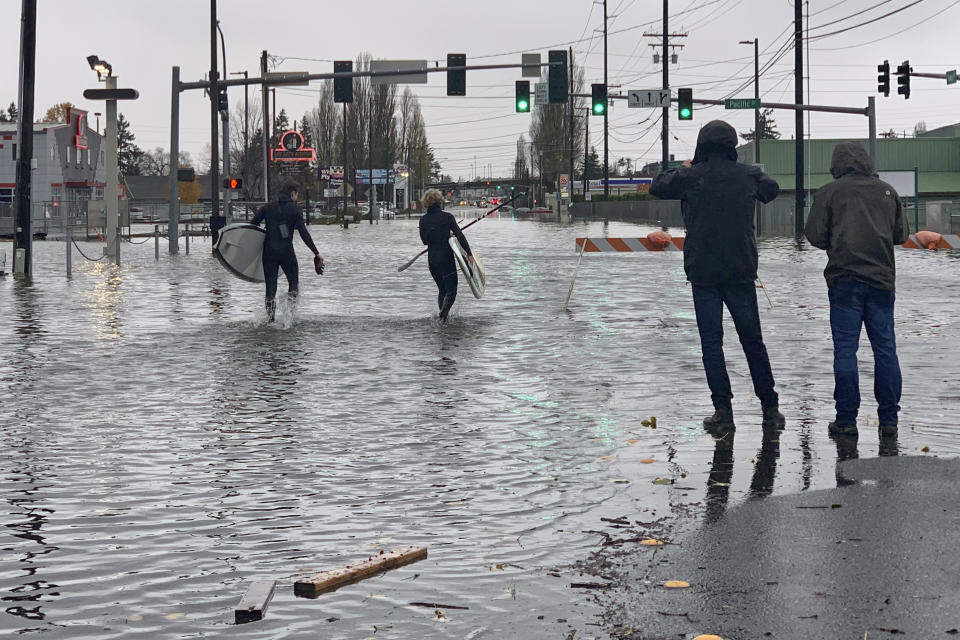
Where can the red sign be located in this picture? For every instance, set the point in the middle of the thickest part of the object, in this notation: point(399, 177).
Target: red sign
point(77, 119)
point(291, 149)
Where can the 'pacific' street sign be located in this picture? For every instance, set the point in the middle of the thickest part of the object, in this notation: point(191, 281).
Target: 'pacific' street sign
point(741, 103)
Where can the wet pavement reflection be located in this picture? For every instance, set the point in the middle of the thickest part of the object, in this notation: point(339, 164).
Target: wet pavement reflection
point(163, 445)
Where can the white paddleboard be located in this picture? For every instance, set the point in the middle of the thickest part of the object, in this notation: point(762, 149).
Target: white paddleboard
point(475, 275)
point(239, 249)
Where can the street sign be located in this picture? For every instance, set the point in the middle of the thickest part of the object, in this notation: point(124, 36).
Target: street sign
point(741, 103)
point(111, 94)
point(289, 78)
point(540, 93)
point(564, 184)
point(952, 76)
point(531, 65)
point(417, 69)
point(638, 98)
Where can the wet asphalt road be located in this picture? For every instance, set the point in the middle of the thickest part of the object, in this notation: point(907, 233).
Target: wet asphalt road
point(875, 557)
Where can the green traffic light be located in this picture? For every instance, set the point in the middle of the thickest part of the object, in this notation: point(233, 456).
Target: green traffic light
point(598, 108)
point(684, 113)
point(523, 105)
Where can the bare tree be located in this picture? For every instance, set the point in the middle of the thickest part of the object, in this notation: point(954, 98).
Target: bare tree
point(550, 132)
point(521, 168)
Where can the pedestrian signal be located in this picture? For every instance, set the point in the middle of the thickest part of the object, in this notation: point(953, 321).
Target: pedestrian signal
point(232, 183)
point(523, 96)
point(685, 104)
point(598, 94)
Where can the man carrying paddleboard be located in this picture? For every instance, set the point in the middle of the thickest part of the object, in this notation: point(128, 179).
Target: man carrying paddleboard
point(282, 217)
point(436, 226)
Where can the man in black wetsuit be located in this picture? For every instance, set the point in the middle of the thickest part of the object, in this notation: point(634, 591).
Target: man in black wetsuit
point(282, 217)
point(436, 226)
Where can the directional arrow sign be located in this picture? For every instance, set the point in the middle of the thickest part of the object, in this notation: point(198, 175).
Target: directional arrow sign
point(111, 94)
point(648, 98)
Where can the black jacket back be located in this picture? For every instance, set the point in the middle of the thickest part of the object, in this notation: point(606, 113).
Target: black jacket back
point(718, 198)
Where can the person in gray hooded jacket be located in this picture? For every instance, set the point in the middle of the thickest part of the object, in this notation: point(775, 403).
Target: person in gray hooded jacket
point(857, 219)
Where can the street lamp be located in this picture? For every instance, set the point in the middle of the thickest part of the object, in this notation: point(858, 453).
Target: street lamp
point(102, 67)
point(756, 112)
point(756, 94)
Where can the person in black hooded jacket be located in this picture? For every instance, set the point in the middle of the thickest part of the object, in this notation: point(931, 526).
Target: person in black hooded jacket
point(282, 217)
point(436, 227)
point(718, 196)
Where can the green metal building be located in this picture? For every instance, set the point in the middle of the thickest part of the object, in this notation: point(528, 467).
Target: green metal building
point(934, 154)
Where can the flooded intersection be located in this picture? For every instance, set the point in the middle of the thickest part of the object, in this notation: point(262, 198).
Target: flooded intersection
point(163, 445)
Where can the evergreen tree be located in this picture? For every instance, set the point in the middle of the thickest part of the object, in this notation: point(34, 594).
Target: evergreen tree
point(129, 155)
point(12, 112)
point(593, 170)
point(768, 128)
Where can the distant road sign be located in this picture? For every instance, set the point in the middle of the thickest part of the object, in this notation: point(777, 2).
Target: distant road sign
point(540, 93)
point(288, 77)
point(417, 69)
point(741, 103)
point(531, 65)
point(952, 76)
point(639, 98)
point(111, 94)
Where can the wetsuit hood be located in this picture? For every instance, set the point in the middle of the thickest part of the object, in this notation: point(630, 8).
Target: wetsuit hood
point(850, 158)
point(716, 138)
point(284, 197)
point(434, 208)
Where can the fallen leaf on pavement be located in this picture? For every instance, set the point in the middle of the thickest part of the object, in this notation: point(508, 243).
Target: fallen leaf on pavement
point(676, 584)
point(651, 542)
point(646, 461)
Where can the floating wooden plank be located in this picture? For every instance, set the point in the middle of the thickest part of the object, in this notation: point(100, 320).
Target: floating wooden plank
point(253, 604)
point(333, 580)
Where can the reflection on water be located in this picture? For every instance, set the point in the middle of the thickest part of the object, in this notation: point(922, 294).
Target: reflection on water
point(164, 444)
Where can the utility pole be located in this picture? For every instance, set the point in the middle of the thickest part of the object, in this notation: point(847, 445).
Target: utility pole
point(225, 116)
point(173, 230)
point(370, 188)
point(214, 125)
point(800, 203)
point(265, 104)
point(343, 185)
point(606, 108)
point(24, 198)
point(571, 106)
point(586, 152)
point(665, 129)
point(110, 194)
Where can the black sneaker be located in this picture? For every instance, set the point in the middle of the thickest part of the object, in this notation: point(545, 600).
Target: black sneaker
point(722, 418)
point(772, 418)
point(842, 428)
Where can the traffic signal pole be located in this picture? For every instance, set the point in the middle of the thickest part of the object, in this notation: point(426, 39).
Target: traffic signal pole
point(22, 240)
point(173, 225)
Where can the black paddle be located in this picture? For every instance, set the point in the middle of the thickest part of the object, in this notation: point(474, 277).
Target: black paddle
point(502, 204)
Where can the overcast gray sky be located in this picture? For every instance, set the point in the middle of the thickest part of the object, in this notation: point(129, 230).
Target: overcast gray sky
point(143, 40)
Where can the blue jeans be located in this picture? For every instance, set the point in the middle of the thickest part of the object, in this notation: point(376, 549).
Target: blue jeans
point(741, 302)
point(852, 305)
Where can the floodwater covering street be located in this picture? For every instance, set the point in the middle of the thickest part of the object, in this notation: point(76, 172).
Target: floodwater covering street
point(162, 445)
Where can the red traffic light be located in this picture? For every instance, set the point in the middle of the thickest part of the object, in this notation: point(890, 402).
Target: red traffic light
point(232, 183)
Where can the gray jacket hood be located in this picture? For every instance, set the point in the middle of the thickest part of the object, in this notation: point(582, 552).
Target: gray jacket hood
point(716, 136)
point(850, 158)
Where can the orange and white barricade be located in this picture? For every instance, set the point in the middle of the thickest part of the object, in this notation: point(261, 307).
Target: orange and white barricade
point(654, 241)
point(932, 240)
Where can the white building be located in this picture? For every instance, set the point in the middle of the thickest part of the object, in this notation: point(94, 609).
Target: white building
point(68, 164)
